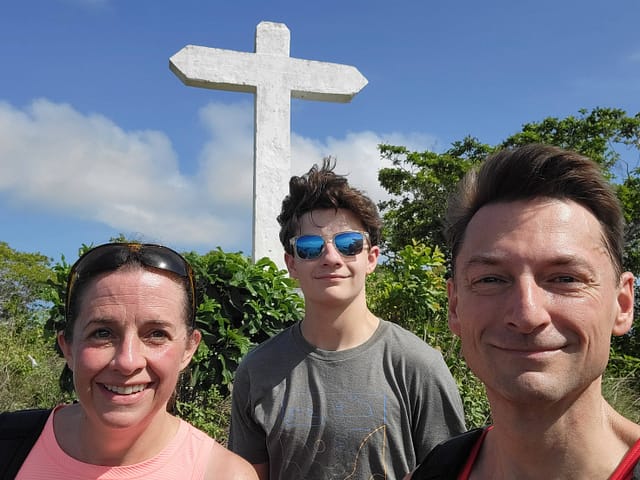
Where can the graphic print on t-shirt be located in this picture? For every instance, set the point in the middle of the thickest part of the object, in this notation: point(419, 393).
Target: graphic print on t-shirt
point(339, 431)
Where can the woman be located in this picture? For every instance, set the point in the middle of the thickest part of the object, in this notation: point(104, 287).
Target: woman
point(130, 312)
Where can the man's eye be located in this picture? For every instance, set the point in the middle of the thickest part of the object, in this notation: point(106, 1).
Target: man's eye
point(565, 279)
point(489, 280)
point(101, 334)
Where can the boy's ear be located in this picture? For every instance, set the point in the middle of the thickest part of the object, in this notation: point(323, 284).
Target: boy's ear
point(372, 258)
point(290, 262)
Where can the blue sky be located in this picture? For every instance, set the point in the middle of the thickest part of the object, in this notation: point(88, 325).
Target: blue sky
point(99, 137)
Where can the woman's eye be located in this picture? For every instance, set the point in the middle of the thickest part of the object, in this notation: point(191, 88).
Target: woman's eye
point(158, 336)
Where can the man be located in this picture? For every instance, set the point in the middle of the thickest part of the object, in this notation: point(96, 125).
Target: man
point(342, 394)
point(537, 290)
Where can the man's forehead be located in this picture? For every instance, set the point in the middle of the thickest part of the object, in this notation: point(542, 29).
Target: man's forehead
point(563, 227)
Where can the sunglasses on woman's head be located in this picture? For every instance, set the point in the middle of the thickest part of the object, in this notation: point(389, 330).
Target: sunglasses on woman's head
point(310, 247)
point(111, 256)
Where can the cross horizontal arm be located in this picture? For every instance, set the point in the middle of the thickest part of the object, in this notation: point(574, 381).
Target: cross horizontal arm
point(243, 71)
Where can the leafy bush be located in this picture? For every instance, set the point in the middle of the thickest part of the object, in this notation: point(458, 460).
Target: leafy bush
point(29, 368)
point(209, 411)
point(241, 304)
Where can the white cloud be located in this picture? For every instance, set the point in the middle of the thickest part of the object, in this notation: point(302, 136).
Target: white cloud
point(56, 159)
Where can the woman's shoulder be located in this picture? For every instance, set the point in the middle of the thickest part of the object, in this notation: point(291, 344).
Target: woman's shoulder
point(226, 465)
point(222, 463)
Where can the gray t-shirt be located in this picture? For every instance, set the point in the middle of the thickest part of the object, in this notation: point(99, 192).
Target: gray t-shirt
point(373, 411)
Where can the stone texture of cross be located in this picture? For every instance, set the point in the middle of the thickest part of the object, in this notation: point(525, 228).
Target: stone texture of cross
point(274, 78)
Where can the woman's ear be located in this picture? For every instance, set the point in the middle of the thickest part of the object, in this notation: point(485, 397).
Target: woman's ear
point(65, 348)
point(192, 347)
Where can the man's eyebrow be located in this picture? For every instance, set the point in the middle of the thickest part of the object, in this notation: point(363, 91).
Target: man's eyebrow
point(495, 258)
point(484, 259)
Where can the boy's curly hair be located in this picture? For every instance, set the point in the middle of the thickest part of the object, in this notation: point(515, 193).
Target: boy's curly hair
point(321, 188)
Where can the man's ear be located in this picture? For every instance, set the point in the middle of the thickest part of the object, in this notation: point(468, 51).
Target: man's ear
point(625, 299)
point(452, 295)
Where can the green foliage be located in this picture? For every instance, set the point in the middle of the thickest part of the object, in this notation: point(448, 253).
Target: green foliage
point(209, 411)
point(622, 395)
point(241, 304)
point(23, 284)
point(419, 184)
point(410, 290)
point(29, 367)
point(56, 314)
point(594, 133)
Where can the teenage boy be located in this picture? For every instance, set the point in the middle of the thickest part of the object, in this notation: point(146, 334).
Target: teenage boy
point(343, 394)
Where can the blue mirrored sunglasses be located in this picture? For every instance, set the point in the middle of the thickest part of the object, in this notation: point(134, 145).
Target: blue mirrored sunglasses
point(310, 247)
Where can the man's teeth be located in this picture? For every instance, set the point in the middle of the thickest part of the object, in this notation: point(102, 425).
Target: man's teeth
point(128, 390)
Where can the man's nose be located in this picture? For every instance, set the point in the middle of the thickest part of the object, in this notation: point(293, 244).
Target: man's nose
point(528, 306)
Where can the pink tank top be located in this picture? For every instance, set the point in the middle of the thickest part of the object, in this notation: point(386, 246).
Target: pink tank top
point(185, 457)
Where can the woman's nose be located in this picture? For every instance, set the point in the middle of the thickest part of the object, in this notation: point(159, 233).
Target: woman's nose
point(129, 355)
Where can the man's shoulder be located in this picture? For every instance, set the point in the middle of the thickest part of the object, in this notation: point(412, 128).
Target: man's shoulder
point(447, 459)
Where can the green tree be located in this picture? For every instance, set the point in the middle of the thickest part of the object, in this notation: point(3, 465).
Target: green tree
point(419, 184)
point(23, 285)
point(29, 366)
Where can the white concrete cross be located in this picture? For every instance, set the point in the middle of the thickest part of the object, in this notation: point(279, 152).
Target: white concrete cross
point(273, 77)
